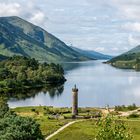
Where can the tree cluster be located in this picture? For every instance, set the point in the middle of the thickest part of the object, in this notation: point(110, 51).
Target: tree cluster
point(22, 72)
point(14, 127)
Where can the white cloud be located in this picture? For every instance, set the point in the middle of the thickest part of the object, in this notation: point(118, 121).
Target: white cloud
point(8, 9)
point(128, 8)
point(59, 10)
point(38, 18)
point(132, 26)
point(115, 49)
point(100, 49)
point(133, 40)
point(90, 24)
point(126, 48)
point(28, 10)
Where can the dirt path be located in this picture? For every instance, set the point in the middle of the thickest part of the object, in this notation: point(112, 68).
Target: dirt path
point(62, 128)
point(125, 114)
point(122, 113)
point(104, 111)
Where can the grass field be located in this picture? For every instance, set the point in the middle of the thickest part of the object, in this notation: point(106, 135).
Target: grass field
point(47, 124)
point(44, 116)
point(86, 130)
point(135, 126)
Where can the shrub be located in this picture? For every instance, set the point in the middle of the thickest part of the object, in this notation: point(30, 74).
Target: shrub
point(126, 108)
point(14, 127)
point(113, 129)
point(132, 107)
point(47, 111)
point(134, 115)
point(33, 110)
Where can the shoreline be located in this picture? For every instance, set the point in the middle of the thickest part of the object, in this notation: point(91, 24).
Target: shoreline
point(81, 109)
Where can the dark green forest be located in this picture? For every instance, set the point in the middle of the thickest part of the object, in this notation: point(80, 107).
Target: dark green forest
point(20, 72)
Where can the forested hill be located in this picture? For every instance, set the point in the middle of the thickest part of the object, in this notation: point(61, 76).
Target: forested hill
point(128, 60)
point(20, 72)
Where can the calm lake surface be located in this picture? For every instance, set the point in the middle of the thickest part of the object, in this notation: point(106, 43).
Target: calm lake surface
point(99, 85)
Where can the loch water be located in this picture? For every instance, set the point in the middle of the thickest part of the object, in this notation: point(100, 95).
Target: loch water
point(99, 85)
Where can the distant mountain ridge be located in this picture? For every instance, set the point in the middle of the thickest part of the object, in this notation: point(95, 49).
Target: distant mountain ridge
point(92, 54)
point(20, 37)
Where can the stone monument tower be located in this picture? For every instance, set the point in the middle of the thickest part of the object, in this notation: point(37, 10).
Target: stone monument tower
point(75, 101)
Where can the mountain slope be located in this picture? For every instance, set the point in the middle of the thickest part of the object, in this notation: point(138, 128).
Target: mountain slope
point(92, 54)
point(2, 57)
point(19, 37)
point(128, 60)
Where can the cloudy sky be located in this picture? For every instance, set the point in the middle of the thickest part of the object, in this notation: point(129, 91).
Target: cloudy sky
point(107, 26)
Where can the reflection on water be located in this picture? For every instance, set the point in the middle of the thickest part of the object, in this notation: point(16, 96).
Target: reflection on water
point(99, 85)
point(32, 94)
point(51, 91)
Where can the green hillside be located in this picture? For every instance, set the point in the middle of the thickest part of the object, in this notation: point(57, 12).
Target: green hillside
point(128, 60)
point(19, 37)
point(2, 57)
